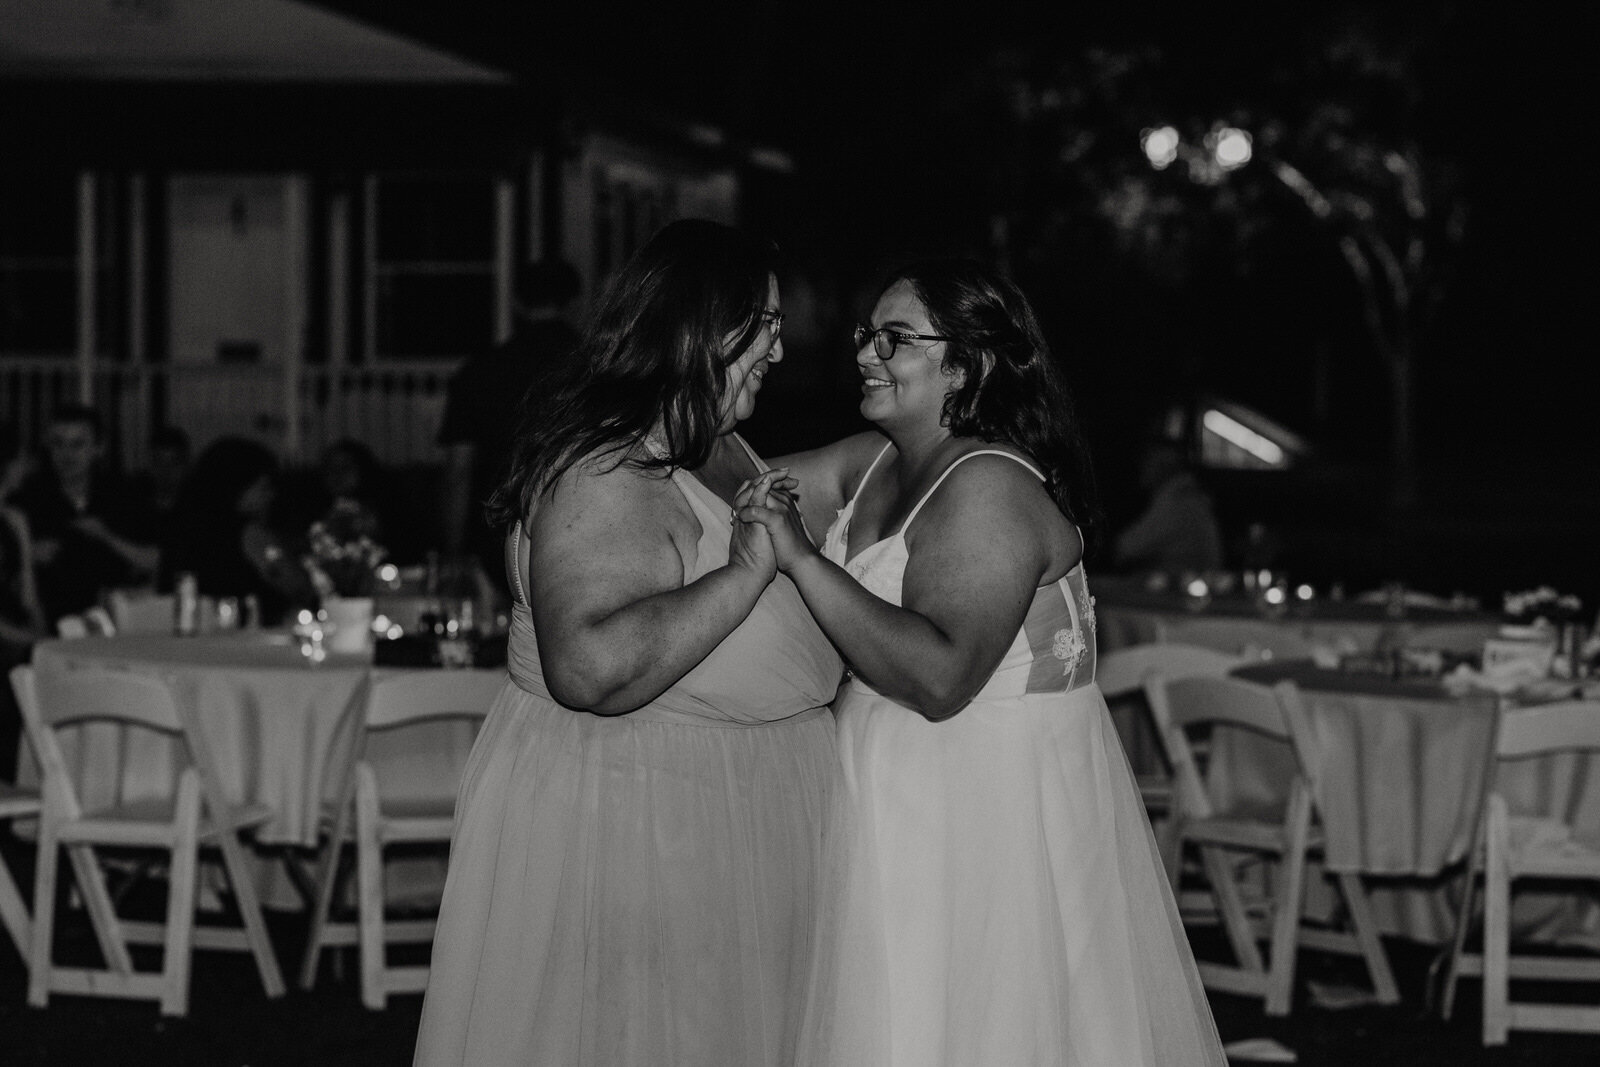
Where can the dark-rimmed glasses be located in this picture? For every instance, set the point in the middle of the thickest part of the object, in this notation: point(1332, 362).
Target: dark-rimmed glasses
point(774, 320)
point(885, 339)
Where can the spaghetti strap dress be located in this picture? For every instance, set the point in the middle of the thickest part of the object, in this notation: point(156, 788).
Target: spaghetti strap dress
point(993, 894)
point(638, 890)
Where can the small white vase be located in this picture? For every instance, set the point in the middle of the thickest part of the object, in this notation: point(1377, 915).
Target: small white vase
point(349, 623)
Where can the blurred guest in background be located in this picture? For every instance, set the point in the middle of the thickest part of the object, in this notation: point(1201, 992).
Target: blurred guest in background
point(89, 533)
point(157, 487)
point(1177, 532)
point(21, 620)
point(483, 406)
point(220, 531)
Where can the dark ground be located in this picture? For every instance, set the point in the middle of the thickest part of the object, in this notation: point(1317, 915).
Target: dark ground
point(231, 1023)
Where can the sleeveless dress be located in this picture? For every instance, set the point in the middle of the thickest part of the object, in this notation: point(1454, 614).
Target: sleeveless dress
point(639, 889)
point(993, 893)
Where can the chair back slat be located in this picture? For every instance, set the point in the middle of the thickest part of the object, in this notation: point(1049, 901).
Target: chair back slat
point(84, 693)
point(1231, 701)
point(1123, 670)
point(411, 696)
point(1566, 726)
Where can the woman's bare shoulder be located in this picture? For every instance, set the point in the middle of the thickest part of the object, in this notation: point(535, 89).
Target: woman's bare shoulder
point(606, 494)
point(998, 498)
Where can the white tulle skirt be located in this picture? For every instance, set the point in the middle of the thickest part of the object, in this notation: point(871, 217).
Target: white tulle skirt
point(993, 896)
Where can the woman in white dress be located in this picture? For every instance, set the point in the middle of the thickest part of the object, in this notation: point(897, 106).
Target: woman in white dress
point(994, 894)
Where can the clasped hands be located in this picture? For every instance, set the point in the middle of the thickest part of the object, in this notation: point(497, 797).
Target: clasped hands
point(767, 523)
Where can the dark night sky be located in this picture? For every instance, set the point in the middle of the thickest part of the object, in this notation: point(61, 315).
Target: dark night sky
point(845, 89)
point(1502, 415)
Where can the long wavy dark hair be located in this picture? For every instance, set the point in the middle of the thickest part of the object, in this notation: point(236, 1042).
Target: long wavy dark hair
point(1014, 390)
point(652, 355)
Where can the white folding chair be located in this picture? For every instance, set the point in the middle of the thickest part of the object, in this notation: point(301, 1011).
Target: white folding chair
point(1253, 639)
point(1121, 673)
point(1224, 838)
point(1515, 847)
point(395, 701)
point(197, 814)
point(140, 611)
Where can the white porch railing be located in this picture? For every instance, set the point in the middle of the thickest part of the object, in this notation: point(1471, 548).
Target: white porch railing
point(393, 408)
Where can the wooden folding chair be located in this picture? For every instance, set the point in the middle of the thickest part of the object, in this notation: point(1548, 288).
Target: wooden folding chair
point(1121, 673)
point(141, 611)
point(395, 701)
point(1224, 838)
point(1513, 848)
point(197, 814)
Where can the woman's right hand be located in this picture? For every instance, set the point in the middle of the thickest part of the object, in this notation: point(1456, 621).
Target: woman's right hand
point(750, 546)
point(768, 502)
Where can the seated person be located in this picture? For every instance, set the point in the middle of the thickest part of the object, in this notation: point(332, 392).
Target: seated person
point(89, 535)
point(1177, 532)
point(156, 487)
point(221, 535)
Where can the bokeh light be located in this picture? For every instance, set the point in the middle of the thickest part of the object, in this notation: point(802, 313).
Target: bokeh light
point(1160, 146)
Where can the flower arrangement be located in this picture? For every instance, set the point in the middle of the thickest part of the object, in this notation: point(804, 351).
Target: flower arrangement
point(1545, 603)
point(343, 555)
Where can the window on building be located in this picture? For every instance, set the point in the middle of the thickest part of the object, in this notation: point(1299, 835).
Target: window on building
point(431, 262)
point(38, 263)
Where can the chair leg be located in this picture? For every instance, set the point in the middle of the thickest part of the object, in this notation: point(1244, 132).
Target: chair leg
point(44, 914)
point(1287, 906)
point(255, 927)
point(369, 877)
point(1230, 904)
point(1458, 943)
point(1366, 932)
point(327, 882)
point(185, 873)
point(1496, 929)
point(14, 913)
point(90, 881)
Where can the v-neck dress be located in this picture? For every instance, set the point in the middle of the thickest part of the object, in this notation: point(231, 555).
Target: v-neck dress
point(993, 893)
point(638, 890)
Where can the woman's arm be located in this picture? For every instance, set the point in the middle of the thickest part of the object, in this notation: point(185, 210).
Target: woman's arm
point(978, 550)
point(828, 476)
point(616, 624)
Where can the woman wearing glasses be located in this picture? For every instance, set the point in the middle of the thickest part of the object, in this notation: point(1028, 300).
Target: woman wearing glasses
point(994, 893)
point(639, 827)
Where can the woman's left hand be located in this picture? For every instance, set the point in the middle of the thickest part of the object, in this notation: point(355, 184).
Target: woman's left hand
point(769, 500)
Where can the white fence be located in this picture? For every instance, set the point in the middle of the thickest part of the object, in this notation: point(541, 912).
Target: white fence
point(393, 408)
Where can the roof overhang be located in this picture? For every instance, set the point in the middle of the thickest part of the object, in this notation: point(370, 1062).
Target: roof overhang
point(216, 41)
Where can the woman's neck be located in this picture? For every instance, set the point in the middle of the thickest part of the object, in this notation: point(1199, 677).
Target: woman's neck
point(922, 452)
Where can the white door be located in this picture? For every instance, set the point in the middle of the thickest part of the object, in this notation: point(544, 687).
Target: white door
point(235, 297)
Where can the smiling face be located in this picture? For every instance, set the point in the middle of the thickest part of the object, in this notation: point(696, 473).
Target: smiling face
point(909, 388)
point(747, 371)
